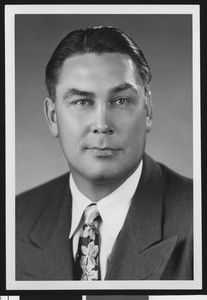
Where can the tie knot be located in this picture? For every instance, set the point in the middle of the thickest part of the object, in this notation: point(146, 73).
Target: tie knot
point(91, 213)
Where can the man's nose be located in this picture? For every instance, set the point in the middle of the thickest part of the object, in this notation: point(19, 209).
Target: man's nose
point(102, 122)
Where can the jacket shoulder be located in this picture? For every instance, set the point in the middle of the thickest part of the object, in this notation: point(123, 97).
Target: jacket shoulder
point(31, 204)
point(173, 183)
point(178, 201)
point(176, 183)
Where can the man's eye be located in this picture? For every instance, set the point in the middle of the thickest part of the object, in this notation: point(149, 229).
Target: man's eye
point(82, 102)
point(121, 101)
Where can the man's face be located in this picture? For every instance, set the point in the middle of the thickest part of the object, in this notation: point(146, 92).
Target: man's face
point(101, 116)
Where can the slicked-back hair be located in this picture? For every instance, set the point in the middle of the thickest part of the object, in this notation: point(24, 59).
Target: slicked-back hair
point(99, 40)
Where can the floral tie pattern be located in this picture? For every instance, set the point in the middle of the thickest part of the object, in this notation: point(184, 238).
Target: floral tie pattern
point(87, 264)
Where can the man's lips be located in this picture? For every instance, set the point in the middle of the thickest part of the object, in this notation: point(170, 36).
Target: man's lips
point(104, 152)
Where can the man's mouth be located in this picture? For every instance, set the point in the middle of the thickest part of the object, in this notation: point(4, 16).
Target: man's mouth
point(103, 152)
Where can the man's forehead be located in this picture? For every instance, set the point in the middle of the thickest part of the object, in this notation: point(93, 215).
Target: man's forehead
point(116, 68)
point(89, 60)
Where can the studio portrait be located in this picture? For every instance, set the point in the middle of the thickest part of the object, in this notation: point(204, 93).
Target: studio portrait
point(104, 177)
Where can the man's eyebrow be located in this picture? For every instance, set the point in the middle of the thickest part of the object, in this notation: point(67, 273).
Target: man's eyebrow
point(77, 92)
point(119, 88)
point(123, 87)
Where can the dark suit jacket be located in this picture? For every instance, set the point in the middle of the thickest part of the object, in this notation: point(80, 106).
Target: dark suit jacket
point(154, 243)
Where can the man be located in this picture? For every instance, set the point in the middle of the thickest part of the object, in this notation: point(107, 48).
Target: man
point(118, 215)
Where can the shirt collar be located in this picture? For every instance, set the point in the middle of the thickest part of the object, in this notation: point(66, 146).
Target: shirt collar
point(112, 208)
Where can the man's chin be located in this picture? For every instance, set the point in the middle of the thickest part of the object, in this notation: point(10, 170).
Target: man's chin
point(110, 176)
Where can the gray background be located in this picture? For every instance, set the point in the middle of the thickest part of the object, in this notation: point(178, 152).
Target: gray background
point(166, 41)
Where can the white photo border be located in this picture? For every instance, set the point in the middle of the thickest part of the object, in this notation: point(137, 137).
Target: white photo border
point(10, 12)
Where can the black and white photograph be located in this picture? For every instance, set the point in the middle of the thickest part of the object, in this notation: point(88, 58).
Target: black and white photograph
point(103, 147)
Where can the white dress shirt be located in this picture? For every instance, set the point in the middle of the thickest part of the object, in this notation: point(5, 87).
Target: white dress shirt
point(112, 209)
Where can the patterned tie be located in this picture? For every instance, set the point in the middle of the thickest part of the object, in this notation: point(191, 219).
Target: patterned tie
point(87, 257)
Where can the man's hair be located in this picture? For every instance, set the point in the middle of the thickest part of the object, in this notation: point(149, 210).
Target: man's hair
point(96, 39)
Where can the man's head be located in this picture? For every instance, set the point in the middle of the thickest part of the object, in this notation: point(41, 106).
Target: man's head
point(97, 39)
point(99, 104)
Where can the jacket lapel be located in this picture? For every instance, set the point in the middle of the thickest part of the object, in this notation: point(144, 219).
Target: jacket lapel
point(139, 252)
point(51, 235)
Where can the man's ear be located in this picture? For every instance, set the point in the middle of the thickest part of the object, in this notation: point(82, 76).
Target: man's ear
point(51, 116)
point(148, 110)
